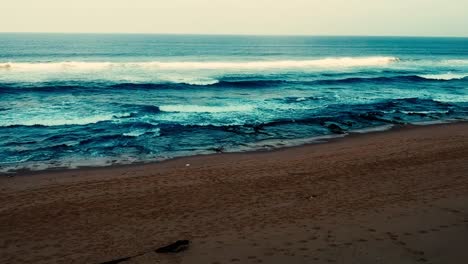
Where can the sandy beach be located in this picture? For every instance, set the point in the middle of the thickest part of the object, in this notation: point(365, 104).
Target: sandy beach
point(399, 196)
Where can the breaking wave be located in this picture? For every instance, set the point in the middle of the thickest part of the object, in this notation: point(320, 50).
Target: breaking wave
point(203, 65)
point(444, 76)
point(205, 109)
point(61, 121)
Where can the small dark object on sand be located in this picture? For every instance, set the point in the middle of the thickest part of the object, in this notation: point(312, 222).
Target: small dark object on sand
point(178, 246)
point(116, 261)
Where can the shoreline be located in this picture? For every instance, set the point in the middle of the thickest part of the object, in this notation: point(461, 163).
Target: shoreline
point(397, 196)
point(318, 140)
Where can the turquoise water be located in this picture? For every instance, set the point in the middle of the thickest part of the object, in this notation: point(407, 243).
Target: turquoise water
point(94, 100)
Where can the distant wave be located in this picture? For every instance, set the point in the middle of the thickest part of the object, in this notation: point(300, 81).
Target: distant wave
point(459, 62)
point(194, 83)
point(444, 76)
point(200, 82)
point(140, 132)
point(62, 121)
point(202, 65)
point(205, 109)
point(15, 87)
point(55, 66)
point(397, 78)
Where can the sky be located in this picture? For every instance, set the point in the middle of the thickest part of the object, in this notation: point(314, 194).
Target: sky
point(252, 17)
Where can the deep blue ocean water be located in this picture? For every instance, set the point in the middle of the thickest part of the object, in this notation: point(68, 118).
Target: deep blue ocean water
point(90, 100)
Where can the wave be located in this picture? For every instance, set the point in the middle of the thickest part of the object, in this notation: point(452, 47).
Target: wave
point(458, 62)
point(336, 119)
point(379, 79)
point(62, 121)
point(60, 86)
point(205, 109)
point(381, 111)
point(198, 82)
point(398, 78)
point(337, 62)
point(140, 132)
point(444, 76)
point(55, 66)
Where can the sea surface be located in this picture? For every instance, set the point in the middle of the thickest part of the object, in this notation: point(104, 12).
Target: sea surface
point(69, 100)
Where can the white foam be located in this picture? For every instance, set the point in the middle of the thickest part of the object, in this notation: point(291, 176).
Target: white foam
point(140, 132)
point(455, 62)
point(55, 66)
point(270, 144)
point(433, 122)
point(444, 76)
point(372, 129)
point(278, 64)
point(200, 81)
point(136, 133)
point(202, 65)
point(205, 109)
point(60, 121)
point(424, 112)
point(189, 80)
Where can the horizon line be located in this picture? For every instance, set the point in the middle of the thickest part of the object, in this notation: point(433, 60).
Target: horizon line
point(234, 34)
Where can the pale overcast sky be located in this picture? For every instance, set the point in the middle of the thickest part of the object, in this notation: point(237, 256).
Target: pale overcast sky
point(273, 17)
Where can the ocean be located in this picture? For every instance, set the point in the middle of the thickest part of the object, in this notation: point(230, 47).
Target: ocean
point(71, 100)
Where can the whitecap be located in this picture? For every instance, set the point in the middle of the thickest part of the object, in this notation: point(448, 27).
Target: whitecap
point(134, 133)
point(203, 65)
point(277, 64)
point(61, 121)
point(189, 80)
point(444, 76)
point(205, 109)
point(56, 66)
point(137, 133)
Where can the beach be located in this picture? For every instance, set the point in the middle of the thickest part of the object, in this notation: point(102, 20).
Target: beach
point(137, 98)
point(398, 196)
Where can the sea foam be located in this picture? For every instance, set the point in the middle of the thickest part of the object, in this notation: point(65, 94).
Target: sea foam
point(60, 121)
point(205, 109)
point(444, 76)
point(204, 65)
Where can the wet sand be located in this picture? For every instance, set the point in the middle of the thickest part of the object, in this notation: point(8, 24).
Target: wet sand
point(399, 196)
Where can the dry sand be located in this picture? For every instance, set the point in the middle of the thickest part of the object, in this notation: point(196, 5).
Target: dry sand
point(399, 196)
